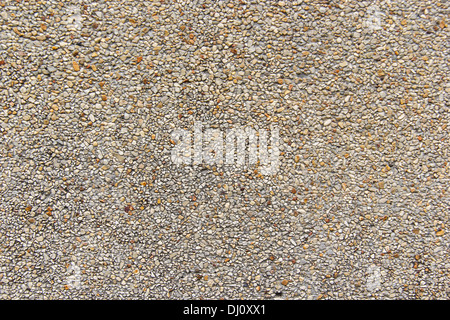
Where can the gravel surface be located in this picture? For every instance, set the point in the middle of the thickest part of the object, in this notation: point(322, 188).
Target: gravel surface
point(92, 205)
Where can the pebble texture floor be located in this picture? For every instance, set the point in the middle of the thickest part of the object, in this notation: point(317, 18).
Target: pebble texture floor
point(91, 205)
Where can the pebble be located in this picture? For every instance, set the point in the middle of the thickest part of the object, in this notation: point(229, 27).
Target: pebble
point(91, 204)
point(76, 67)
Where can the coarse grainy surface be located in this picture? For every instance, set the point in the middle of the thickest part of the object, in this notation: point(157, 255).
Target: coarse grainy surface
point(92, 205)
